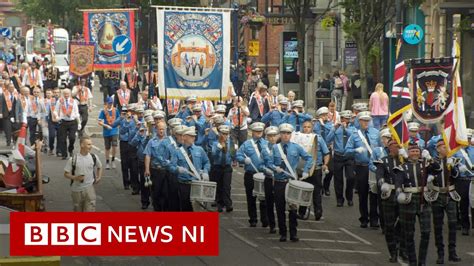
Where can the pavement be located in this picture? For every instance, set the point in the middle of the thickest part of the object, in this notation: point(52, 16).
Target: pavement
point(335, 240)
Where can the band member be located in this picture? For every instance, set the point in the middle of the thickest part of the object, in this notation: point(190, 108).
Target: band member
point(360, 146)
point(190, 162)
point(109, 120)
point(410, 183)
point(356, 109)
point(36, 111)
point(253, 153)
point(321, 162)
point(136, 120)
point(140, 140)
point(272, 134)
point(123, 96)
point(286, 156)
point(343, 164)
point(11, 111)
point(187, 109)
point(125, 121)
point(155, 169)
point(414, 127)
point(277, 111)
point(66, 113)
point(463, 181)
point(238, 118)
point(197, 120)
point(296, 115)
point(322, 126)
point(84, 97)
point(221, 169)
point(445, 203)
point(211, 134)
point(386, 177)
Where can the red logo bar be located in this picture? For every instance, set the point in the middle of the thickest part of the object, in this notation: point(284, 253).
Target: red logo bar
point(114, 234)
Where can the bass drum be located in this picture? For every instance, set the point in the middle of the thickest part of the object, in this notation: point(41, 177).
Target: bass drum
point(308, 143)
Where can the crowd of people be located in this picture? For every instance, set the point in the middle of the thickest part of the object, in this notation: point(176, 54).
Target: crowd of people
point(164, 145)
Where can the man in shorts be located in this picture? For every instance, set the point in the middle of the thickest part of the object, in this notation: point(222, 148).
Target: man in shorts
point(109, 120)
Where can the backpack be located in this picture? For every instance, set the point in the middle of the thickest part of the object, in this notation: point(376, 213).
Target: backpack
point(74, 161)
point(338, 83)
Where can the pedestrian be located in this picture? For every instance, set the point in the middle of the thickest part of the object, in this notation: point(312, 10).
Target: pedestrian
point(322, 127)
point(84, 170)
point(11, 111)
point(343, 164)
point(66, 113)
point(272, 134)
point(378, 106)
point(125, 121)
point(238, 116)
point(359, 147)
point(286, 156)
point(36, 112)
point(221, 169)
point(108, 119)
point(338, 90)
point(84, 97)
point(255, 157)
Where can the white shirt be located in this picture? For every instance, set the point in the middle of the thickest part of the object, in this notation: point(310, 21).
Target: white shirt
point(234, 112)
point(84, 166)
point(61, 115)
point(36, 74)
point(40, 112)
point(75, 91)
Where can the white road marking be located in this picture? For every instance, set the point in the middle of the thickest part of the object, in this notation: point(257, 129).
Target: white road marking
point(246, 218)
point(306, 230)
point(242, 238)
point(97, 148)
point(470, 253)
point(324, 263)
point(332, 250)
point(355, 236)
point(280, 262)
point(315, 240)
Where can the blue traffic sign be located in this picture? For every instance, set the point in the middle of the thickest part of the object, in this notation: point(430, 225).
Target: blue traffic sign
point(122, 45)
point(413, 34)
point(5, 32)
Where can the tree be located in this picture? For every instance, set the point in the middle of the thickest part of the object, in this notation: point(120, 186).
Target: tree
point(365, 21)
point(303, 18)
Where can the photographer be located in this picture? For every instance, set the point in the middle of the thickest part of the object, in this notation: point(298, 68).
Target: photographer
point(84, 170)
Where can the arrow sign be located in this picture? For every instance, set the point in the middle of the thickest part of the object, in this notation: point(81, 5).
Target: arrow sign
point(122, 45)
point(5, 32)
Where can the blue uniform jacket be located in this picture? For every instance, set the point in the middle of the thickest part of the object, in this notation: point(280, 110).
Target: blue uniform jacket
point(140, 141)
point(274, 117)
point(151, 149)
point(184, 113)
point(419, 141)
point(355, 142)
point(247, 149)
point(201, 126)
point(470, 153)
point(335, 136)
point(218, 155)
point(199, 160)
point(294, 153)
point(291, 119)
point(166, 149)
point(323, 130)
point(377, 156)
point(431, 145)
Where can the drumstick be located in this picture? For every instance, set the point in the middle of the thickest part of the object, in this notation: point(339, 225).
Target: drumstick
point(290, 175)
point(255, 168)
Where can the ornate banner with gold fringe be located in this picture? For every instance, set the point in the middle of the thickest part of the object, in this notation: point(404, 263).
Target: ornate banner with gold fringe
point(81, 58)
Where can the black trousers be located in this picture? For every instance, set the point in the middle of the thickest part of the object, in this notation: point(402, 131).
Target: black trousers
point(159, 189)
point(84, 113)
point(67, 129)
point(144, 191)
point(52, 128)
point(444, 204)
point(315, 180)
point(252, 201)
point(269, 200)
point(32, 128)
point(341, 165)
point(125, 163)
point(280, 204)
point(327, 178)
point(8, 127)
point(362, 177)
point(223, 176)
point(133, 166)
point(391, 214)
point(172, 201)
point(462, 187)
point(184, 190)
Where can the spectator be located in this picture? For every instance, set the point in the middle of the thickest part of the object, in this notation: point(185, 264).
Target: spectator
point(347, 89)
point(338, 90)
point(325, 83)
point(378, 106)
point(355, 85)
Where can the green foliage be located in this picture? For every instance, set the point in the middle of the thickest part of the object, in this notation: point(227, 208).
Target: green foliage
point(328, 22)
point(374, 55)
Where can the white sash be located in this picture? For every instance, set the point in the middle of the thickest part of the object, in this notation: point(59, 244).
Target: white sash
point(364, 140)
point(173, 142)
point(190, 164)
point(283, 156)
point(468, 160)
point(255, 148)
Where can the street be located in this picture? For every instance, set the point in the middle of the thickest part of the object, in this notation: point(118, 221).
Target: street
point(335, 240)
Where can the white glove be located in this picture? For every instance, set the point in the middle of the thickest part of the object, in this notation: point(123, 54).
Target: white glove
point(181, 170)
point(426, 154)
point(385, 188)
point(403, 153)
point(450, 161)
point(401, 198)
point(205, 176)
point(431, 178)
point(247, 161)
point(463, 168)
point(267, 171)
point(219, 146)
point(381, 182)
point(360, 150)
point(79, 126)
point(278, 170)
point(305, 175)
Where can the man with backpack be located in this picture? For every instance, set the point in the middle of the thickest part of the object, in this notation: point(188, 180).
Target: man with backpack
point(84, 170)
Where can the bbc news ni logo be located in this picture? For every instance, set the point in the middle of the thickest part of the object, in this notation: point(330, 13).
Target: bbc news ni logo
point(90, 234)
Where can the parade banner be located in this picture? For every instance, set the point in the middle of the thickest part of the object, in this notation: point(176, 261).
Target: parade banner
point(193, 53)
point(81, 58)
point(101, 26)
point(432, 88)
point(41, 43)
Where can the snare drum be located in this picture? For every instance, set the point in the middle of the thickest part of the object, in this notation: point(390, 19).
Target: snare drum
point(258, 185)
point(203, 191)
point(299, 193)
